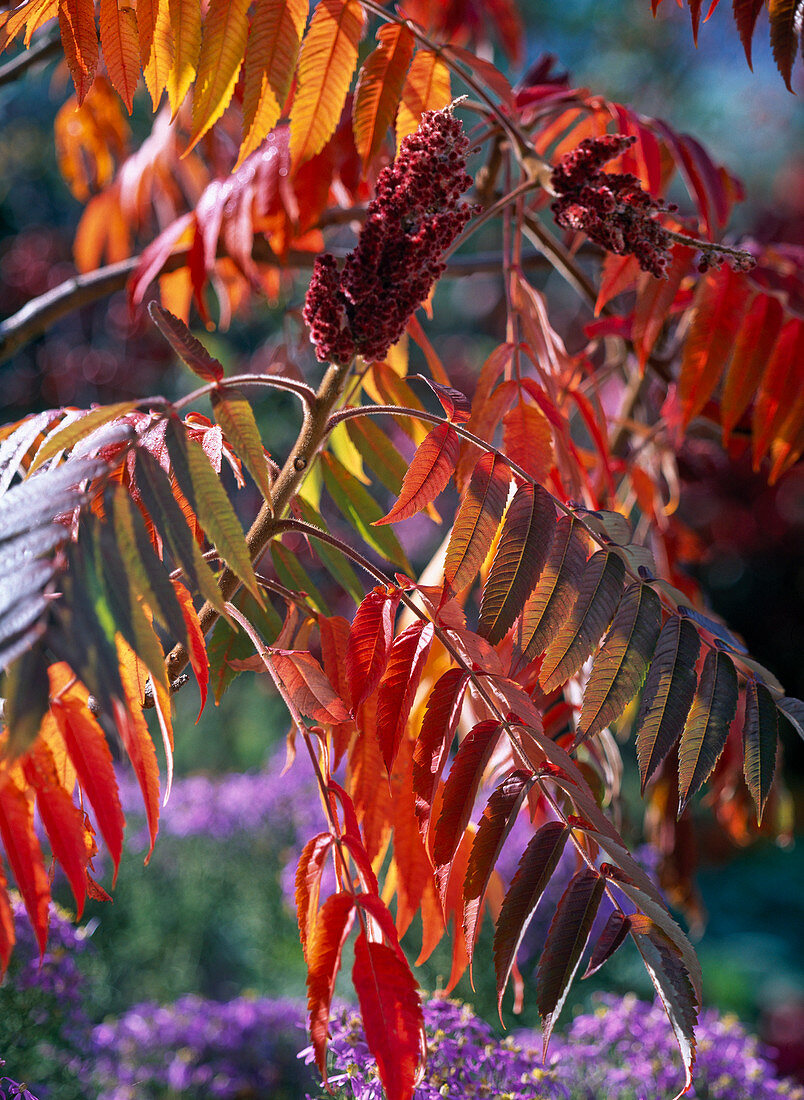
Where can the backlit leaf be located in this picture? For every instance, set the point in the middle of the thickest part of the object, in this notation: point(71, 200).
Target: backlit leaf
point(273, 46)
point(668, 693)
point(435, 737)
point(156, 45)
point(64, 439)
point(136, 738)
point(379, 88)
point(622, 661)
point(324, 947)
point(26, 699)
point(24, 854)
point(362, 510)
point(369, 642)
point(333, 560)
point(498, 819)
point(430, 470)
point(707, 726)
point(399, 684)
point(460, 791)
point(525, 541)
point(308, 686)
point(309, 872)
point(121, 48)
point(593, 610)
point(223, 45)
point(236, 417)
point(528, 439)
point(476, 522)
point(779, 389)
point(760, 736)
point(426, 88)
point(392, 1016)
point(533, 873)
point(185, 23)
point(752, 350)
point(189, 350)
point(326, 64)
point(378, 452)
point(196, 646)
point(551, 601)
point(566, 939)
point(610, 939)
point(79, 38)
point(654, 299)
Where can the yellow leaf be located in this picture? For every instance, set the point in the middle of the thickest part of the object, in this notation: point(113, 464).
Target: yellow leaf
point(426, 89)
point(185, 22)
point(79, 38)
point(120, 42)
point(327, 62)
point(379, 88)
point(156, 45)
point(223, 44)
point(273, 46)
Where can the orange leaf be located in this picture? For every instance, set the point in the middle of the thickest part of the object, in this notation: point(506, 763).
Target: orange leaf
point(308, 883)
point(392, 1016)
point(197, 646)
point(426, 88)
point(334, 635)
point(399, 684)
point(619, 273)
point(654, 299)
point(477, 521)
point(90, 754)
point(121, 49)
point(308, 686)
point(368, 784)
point(528, 440)
point(7, 936)
point(413, 867)
point(136, 736)
point(758, 333)
point(324, 949)
point(273, 46)
point(223, 44)
point(428, 474)
point(185, 22)
point(156, 45)
point(79, 38)
point(327, 61)
point(24, 854)
point(780, 387)
point(379, 89)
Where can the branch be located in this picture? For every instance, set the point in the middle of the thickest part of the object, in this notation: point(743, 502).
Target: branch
point(43, 51)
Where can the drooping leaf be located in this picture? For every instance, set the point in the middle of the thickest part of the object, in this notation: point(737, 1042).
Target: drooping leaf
point(333, 560)
point(752, 351)
point(454, 402)
point(236, 417)
point(379, 88)
point(378, 452)
point(369, 642)
point(361, 510)
point(426, 88)
point(667, 697)
point(654, 299)
point(525, 541)
point(79, 37)
point(187, 347)
point(273, 46)
point(533, 873)
point(528, 439)
point(746, 13)
point(620, 666)
point(121, 48)
point(326, 64)
point(779, 389)
point(368, 783)
point(476, 522)
point(498, 819)
point(136, 737)
point(566, 939)
point(429, 472)
point(460, 792)
point(196, 646)
point(785, 32)
point(24, 854)
point(551, 601)
point(324, 948)
point(760, 736)
point(399, 684)
point(185, 23)
point(66, 438)
point(156, 45)
point(392, 1016)
point(432, 745)
point(209, 501)
point(707, 726)
point(610, 939)
point(308, 883)
point(593, 610)
point(308, 685)
point(223, 45)
point(411, 862)
point(26, 703)
point(168, 519)
point(671, 982)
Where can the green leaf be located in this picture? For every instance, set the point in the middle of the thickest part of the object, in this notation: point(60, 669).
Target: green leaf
point(667, 698)
point(551, 601)
point(566, 939)
point(707, 726)
point(169, 521)
point(27, 691)
point(335, 562)
point(593, 610)
point(361, 510)
point(210, 502)
point(527, 533)
point(476, 523)
point(620, 666)
point(79, 429)
point(229, 642)
point(236, 419)
point(760, 737)
point(378, 452)
point(294, 576)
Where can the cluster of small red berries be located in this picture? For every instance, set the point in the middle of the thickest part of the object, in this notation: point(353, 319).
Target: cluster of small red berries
point(413, 218)
point(611, 208)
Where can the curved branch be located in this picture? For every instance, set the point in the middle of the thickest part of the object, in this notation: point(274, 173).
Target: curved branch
point(44, 50)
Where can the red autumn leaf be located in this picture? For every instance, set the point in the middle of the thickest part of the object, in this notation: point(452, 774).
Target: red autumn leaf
point(399, 684)
point(477, 521)
point(24, 855)
point(324, 948)
point(308, 685)
point(308, 883)
point(528, 440)
point(369, 641)
point(432, 745)
point(392, 1016)
point(196, 645)
point(454, 403)
point(429, 472)
point(136, 738)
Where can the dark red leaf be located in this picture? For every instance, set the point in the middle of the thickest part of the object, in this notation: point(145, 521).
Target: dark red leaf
point(369, 640)
point(432, 745)
point(324, 947)
point(399, 684)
